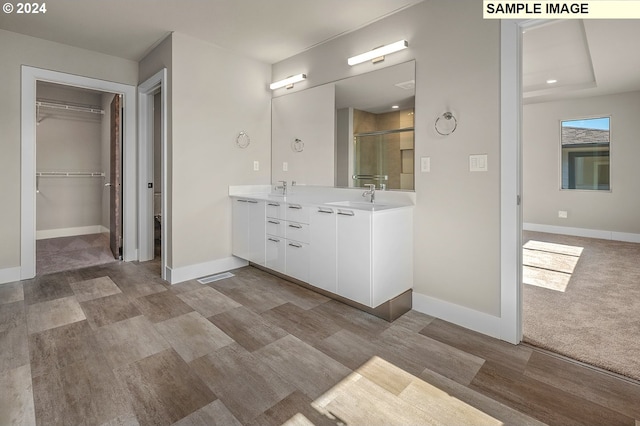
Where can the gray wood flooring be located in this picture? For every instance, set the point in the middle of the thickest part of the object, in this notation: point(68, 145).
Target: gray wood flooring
point(114, 344)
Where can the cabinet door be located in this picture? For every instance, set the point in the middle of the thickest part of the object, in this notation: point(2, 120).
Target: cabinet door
point(275, 254)
point(322, 267)
point(256, 225)
point(297, 264)
point(240, 228)
point(354, 255)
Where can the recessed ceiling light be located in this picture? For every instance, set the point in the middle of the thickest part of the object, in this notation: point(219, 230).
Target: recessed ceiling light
point(394, 107)
point(551, 81)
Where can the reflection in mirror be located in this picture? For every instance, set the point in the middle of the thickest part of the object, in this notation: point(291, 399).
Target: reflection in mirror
point(375, 120)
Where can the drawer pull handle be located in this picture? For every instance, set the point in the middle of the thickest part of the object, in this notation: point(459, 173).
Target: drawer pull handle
point(275, 240)
point(252, 201)
point(321, 210)
point(346, 213)
point(294, 225)
point(241, 201)
point(295, 245)
point(295, 206)
point(275, 222)
point(274, 204)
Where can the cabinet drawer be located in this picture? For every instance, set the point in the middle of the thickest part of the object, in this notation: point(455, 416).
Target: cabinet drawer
point(275, 209)
point(297, 213)
point(275, 227)
point(297, 232)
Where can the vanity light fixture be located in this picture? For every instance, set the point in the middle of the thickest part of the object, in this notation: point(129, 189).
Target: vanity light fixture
point(552, 81)
point(288, 82)
point(377, 55)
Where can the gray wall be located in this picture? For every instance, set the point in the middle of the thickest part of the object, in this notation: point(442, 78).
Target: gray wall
point(213, 95)
point(617, 210)
point(18, 50)
point(457, 217)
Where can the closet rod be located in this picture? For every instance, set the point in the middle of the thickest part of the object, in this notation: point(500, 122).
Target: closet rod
point(70, 174)
point(69, 107)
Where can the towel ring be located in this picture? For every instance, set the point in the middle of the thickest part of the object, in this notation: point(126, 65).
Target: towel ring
point(297, 145)
point(242, 140)
point(446, 126)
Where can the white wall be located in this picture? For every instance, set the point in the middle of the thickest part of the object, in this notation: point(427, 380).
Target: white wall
point(309, 116)
point(216, 94)
point(457, 217)
point(18, 50)
point(617, 210)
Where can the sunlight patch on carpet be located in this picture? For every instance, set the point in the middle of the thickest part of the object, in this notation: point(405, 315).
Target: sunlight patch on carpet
point(549, 265)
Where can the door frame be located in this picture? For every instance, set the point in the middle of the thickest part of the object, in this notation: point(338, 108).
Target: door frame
point(511, 175)
point(30, 75)
point(146, 93)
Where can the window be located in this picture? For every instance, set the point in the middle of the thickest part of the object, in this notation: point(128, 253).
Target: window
point(585, 154)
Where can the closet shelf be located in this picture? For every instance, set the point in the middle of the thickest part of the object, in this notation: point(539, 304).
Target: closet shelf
point(69, 107)
point(70, 174)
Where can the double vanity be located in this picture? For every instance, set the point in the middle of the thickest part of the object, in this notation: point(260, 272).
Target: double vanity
point(333, 241)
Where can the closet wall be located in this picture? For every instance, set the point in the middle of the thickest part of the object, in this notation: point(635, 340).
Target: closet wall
point(71, 142)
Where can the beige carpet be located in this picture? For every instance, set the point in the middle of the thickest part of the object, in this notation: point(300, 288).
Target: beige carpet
point(66, 253)
point(582, 299)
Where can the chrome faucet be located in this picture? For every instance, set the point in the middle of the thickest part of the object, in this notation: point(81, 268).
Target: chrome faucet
point(283, 187)
point(371, 191)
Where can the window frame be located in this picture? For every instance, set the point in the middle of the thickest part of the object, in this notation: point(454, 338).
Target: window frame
point(585, 154)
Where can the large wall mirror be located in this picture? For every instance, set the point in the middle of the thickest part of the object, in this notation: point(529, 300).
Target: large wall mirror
point(351, 132)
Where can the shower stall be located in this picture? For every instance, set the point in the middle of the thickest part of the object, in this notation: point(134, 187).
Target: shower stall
point(384, 158)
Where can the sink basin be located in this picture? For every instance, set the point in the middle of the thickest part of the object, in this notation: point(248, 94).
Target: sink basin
point(360, 205)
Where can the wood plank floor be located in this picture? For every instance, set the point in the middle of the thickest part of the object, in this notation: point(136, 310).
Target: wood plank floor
point(114, 344)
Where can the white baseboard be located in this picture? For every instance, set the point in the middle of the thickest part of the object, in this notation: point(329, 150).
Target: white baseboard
point(459, 315)
point(69, 232)
point(185, 273)
point(9, 275)
point(583, 232)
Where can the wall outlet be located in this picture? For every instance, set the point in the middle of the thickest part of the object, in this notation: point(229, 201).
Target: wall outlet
point(562, 214)
point(256, 166)
point(425, 164)
point(285, 166)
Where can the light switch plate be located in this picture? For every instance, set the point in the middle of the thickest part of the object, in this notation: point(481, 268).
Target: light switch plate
point(425, 164)
point(256, 166)
point(478, 163)
point(285, 166)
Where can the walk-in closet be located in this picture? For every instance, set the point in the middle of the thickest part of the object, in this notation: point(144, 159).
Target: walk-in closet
point(78, 169)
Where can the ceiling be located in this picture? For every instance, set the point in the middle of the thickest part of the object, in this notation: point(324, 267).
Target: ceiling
point(587, 58)
point(267, 30)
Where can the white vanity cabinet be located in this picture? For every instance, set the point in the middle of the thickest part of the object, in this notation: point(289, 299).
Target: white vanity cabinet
point(362, 254)
point(354, 255)
point(374, 254)
point(248, 239)
point(322, 268)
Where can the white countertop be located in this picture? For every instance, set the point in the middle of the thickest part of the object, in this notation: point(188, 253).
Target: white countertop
point(336, 198)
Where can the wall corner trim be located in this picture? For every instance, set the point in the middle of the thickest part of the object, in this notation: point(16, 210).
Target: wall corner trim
point(459, 315)
point(9, 275)
point(185, 273)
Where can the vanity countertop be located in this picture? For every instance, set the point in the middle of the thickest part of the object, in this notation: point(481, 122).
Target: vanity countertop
point(325, 200)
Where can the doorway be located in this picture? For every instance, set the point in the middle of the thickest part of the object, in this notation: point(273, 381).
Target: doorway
point(78, 172)
point(152, 137)
point(30, 77)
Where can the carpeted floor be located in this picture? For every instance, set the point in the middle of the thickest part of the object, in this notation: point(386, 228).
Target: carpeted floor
point(583, 303)
point(66, 253)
